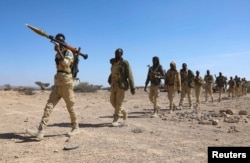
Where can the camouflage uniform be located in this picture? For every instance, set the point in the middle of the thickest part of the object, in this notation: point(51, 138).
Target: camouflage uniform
point(237, 87)
point(209, 80)
point(187, 83)
point(231, 90)
point(198, 81)
point(63, 88)
point(220, 81)
point(244, 86)
point(172, 83)
point(121, 80)
point(155, 73)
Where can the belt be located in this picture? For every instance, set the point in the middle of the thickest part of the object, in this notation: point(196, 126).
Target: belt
point(61, 71)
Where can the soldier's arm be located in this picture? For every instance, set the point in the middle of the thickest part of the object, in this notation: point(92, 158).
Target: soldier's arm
point(68, 59)
point(178, 81)
point(129, 75)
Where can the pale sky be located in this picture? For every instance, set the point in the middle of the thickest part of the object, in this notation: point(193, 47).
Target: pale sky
point(205, 34)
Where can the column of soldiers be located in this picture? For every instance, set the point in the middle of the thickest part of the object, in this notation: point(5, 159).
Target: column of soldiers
point(121, 79)
point(184, 81)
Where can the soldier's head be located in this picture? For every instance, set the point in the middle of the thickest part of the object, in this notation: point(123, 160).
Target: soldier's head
point(60, 37)
point(208, 72)
point(156, 60)
point(220, 74)
point(231, 78)
point(197, 73)
point(172, 65)
point(118, 53)
point(184, 66)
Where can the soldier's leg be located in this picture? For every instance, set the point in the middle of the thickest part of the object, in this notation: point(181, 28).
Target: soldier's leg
point(196, 95)
point(183, 94)
point(113, 97)
point(120, 94)
point(52, 101)
point(206, 93)
point(220, 91)
point(151, 94)
point(210, 92)
point(189, 91)
point(230, 92)
point(69, 98)
point(155, 97)
point(171, 97)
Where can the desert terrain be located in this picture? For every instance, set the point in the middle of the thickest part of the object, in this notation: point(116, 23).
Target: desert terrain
point(180, 137)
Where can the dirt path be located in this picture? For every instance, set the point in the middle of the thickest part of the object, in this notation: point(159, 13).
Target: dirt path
point(175, 137)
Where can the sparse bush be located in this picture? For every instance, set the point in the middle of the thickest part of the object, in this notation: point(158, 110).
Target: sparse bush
point(86, 87)
point(29, 91)
point(7, 87)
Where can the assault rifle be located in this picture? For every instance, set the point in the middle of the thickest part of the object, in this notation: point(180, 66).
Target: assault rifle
point(55, 41)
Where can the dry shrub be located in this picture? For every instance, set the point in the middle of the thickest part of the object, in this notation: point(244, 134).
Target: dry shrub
point(86, 87)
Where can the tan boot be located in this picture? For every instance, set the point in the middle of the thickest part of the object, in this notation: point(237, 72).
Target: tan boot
point(37, 133)
point(125, 115)
point(155, 114)
point(74, 131)
point(115, 122)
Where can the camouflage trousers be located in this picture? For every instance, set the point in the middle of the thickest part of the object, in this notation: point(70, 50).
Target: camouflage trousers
point(208, 91)
point(220, 90)
point(185, 90)
point(58, 92)
point(116, 99)
point(231, 91)
point(153, 95)
point(197, 91)
point(171, 94)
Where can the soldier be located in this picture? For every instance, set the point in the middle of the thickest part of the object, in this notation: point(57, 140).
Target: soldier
point(220, 81)
point(63, 88)
point(121, 80)
point(237, 87)
point(209, 80)
point(198, 81)
point(232, 85)
point(244, 86)
point(187, 83)
point(172, 83)
point(154, 75)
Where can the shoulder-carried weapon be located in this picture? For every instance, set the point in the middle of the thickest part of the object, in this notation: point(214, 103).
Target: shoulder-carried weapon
point(55, 41)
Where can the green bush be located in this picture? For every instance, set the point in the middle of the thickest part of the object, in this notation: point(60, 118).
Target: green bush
point(86, 87)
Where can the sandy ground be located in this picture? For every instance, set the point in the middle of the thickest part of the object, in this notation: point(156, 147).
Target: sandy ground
point(182, 136)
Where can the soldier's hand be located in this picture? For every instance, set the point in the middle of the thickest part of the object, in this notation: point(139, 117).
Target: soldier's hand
point(132, 91)
point(179, 91)
point(57, 47)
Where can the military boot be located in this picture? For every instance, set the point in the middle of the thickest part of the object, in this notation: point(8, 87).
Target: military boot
point(125, 115)
point(115, 121)
point(75, 130)
point(155, 114)
point(37, 133)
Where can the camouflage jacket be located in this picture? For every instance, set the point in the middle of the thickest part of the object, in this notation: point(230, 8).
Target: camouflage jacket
point(154, 75)
point(125, 78)
point(187, 78)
